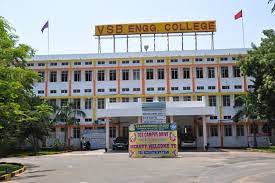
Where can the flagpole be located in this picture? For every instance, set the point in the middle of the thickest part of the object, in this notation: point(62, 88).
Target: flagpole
point(243, 33)
point(48, 37)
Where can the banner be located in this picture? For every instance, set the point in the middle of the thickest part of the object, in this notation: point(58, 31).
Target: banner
point(153, 140)
point(155, 28)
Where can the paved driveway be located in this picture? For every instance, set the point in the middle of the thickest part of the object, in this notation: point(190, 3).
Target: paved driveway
point(98, 167)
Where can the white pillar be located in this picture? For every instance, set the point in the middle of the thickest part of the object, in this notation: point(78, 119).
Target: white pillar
point(204, 120)
point(171, 119)
point(139, 119)
point(107, 128)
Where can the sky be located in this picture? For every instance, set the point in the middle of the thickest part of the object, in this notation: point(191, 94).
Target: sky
point(72, 22)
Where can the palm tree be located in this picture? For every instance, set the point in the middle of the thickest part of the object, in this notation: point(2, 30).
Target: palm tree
point(273, 8)
point(248, 112)
point(68, 114)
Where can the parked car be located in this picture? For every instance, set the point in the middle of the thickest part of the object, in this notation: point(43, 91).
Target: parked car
point(120, 143)
point(187, 140)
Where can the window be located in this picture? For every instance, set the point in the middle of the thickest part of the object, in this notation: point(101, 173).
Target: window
point(100, 62)
point(176, 99)
point(125, 89)
point(237, 101)
point(76, 103)
point(101, 75)
point(112, 75)
point(186, 98)
point(174, 73)
point(112, 100)
point(125, 74)
point(112, 132)
point(161, 88)
point(214, 130)
point(77, 63)
point(161, 99)
point(88, 120)
point(212, 101)
point(185, 60)
point(41, 64)
point(150, 89)
point(64, 63)
point(52, 102)
point(88, 76)
point(233, 58)
point(88, 90)
point(64, 76)
point(226, 100)
point(186, 73)
point(226, 87)
point(136, 89)
point(88, 103)
point(135, 99)
point(112, 62)
point(30, 64)
point(63, 102)
point(76, 132)
point(174, 88)
point(174, 60)
point(100, 103)
point(226, 117)
point(53, 64)
point(161, 74)
point(200, 87)
point(224, 58)
point(100, 90)
point(149, 99)
point(211, 72)
point(88, 63)
point(77, 76)
point(199, 72)
point(124, 99)
point(199, 98)
point(53, 76)
point(186, 88)
point(211, 87)
point(125, 62)
point(64, 91)
point(236, 72)
point(200, 131)
point(198, 59)
point(160, 61)
point(239, 130)
point(250, 87)
point(112, 90)
point(76, 91)
point(213, 117)
point(42, 76)
point(210, 59)
point(149, 74)
point(254, 128)
point(224, 71)
point(227, 130)
point(149, 61)
point(135, 61)
point(136, 74)
point(238, 86)
point(40, 91)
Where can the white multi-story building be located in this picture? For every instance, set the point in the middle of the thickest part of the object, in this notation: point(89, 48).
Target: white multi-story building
point(200, 89)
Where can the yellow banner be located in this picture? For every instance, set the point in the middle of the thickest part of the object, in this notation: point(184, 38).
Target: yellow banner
point(153, 144)
point(155, 28)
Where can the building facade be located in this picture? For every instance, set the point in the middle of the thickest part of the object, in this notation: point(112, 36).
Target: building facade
point(198, 86)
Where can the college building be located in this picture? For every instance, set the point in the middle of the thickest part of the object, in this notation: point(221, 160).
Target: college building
point(200, 88)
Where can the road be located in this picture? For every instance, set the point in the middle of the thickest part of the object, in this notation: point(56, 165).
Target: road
point(100, 167)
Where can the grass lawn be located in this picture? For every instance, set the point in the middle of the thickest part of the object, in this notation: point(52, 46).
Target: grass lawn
point(270, 149)
point(31, 153)
point(10, 167)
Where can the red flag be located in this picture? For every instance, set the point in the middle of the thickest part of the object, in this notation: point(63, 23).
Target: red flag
point(239, 15)
point(45, 26)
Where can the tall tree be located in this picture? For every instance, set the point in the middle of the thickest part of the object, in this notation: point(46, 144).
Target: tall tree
point(68, 114)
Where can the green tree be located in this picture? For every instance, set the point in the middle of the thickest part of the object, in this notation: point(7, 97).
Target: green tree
point(68, 114)
point(260, 65)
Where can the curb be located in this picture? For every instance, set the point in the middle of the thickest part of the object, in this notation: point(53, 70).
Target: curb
point(8, 176)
